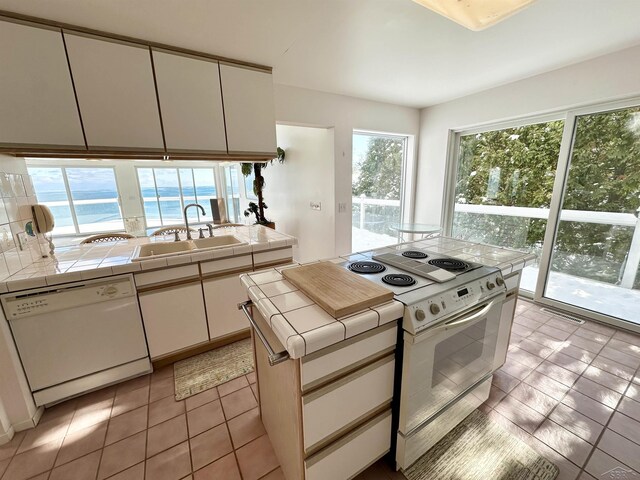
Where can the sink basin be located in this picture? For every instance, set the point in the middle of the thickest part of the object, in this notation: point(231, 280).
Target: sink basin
point(161, 249)
point(167, 249)
point(217, 242)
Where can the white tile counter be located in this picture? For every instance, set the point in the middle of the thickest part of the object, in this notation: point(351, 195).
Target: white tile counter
point(84, 262)
point(303, 327)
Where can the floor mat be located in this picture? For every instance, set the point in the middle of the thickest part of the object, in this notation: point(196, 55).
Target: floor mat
point(478, 449)
point(210, 369)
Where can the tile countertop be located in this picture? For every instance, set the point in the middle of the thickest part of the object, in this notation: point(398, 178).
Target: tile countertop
point(303, 327)
point(85, 262)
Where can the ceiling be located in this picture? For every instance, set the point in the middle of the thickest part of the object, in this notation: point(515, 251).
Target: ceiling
point(387, 50)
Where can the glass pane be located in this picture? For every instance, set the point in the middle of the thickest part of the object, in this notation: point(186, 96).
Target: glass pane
point(95, 199)
point(233, 192)
point(169, 195)
point(205, 190)
point(376, 189)
point(148, 191)
point(504, 185)
point(597, 248)
point(189, 194)
point(50, 191)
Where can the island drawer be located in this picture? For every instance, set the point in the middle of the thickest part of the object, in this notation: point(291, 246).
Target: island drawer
point(353, 453)
point(325, 365)
point(334, 409)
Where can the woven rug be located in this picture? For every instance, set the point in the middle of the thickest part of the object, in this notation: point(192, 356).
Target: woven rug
point(210, 369)
point(478, 449)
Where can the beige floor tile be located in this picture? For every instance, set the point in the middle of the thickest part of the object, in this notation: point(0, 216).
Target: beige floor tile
point(82, 468)
point(232, 385)
point(247, 427)
point(161, 388)
point(82, 442)
point(226, 468)
point(127, 424)
point(205, 417)
point(209, 446)
point(238, 402)
point(172, 464)
point(132, 473)
point(125, 402)
point(33, 462)
point(201, 398)
point(563, 441)
point(122, 455)
point(256, 458)
point(89, 415)
point(166, 434)
point(165, 409)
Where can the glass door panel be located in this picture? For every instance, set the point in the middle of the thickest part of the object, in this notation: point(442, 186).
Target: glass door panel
point(503, 188)
point(595, 256)
point(377, 188)
point(169, 198)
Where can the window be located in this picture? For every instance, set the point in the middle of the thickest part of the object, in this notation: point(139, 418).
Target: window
point(377, 189)
point(503, 187)
point(166, 191)
point(82, 200)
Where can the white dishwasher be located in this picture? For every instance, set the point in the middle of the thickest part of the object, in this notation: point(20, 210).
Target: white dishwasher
point(77, 337)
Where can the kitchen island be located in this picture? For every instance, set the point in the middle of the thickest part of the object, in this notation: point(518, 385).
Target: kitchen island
point(326, 385)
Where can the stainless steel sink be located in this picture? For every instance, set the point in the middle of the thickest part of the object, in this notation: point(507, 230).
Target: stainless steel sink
point(167, 249)
point(216, 242)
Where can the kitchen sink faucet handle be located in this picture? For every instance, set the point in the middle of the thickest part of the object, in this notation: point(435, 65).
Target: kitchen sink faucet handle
point(201, 234)
point(176, 236)
point(210, 227)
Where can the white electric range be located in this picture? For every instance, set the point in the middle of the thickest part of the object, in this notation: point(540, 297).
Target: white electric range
point(449, 348)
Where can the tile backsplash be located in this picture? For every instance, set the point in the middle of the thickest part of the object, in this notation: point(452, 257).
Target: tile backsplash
point(18, 250)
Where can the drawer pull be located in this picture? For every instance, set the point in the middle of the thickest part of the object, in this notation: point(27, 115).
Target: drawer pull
point(274, 358)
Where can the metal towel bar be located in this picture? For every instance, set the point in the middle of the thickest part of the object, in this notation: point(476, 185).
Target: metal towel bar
point(274, 357)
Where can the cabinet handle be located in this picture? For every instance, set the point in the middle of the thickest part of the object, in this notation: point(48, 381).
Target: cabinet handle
point(274, 358)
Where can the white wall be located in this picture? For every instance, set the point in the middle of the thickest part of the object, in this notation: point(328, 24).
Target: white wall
point(605, 78)
point(17, 409)
point(306, 176)
point(298, 106)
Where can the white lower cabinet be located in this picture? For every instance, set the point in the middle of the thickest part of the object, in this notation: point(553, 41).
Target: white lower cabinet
point(174, 318)
point(351, 454)
point(221, 296)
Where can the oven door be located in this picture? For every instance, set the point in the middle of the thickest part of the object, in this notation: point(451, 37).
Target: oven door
point(443, 361)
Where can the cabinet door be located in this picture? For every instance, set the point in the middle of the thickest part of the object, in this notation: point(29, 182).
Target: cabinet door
point(37, 103)
point(190, 102)
point(249, 110)
point(116, 93)
point(174, 318)
point(222, 296)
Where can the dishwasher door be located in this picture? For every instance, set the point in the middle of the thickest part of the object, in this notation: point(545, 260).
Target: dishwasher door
point(74, 330)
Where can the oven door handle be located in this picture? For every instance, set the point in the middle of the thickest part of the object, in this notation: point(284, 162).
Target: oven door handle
point(454, 323)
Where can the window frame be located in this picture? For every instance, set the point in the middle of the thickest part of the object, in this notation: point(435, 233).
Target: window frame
point(407, 176)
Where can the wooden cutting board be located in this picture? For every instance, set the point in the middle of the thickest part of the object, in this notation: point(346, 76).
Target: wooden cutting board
point(337, 290)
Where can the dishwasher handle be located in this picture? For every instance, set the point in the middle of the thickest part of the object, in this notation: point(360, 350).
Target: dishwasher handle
point(274, 357)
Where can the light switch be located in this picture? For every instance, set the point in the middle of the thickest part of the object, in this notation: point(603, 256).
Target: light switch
point(342, 207)
point(315, 205)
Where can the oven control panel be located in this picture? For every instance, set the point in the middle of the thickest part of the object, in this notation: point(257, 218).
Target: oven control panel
point(421, 314)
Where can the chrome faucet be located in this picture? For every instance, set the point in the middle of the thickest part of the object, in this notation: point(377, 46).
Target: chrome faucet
point(186, 221)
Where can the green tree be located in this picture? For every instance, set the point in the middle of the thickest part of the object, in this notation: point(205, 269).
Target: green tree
point(381, 170)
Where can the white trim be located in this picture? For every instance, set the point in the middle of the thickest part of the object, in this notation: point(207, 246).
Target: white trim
point(31, 422)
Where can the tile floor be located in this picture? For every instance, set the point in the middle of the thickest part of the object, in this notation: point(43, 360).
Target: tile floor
point(571, 392)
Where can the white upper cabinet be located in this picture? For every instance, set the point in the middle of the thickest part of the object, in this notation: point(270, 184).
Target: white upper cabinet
point(37, 103)
point(116, 93)
point(190, 102)
point(249, 110)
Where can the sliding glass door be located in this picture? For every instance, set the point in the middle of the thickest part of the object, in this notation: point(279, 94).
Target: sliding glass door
point(595, 250)
point(503, 188)
point(568, 191)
